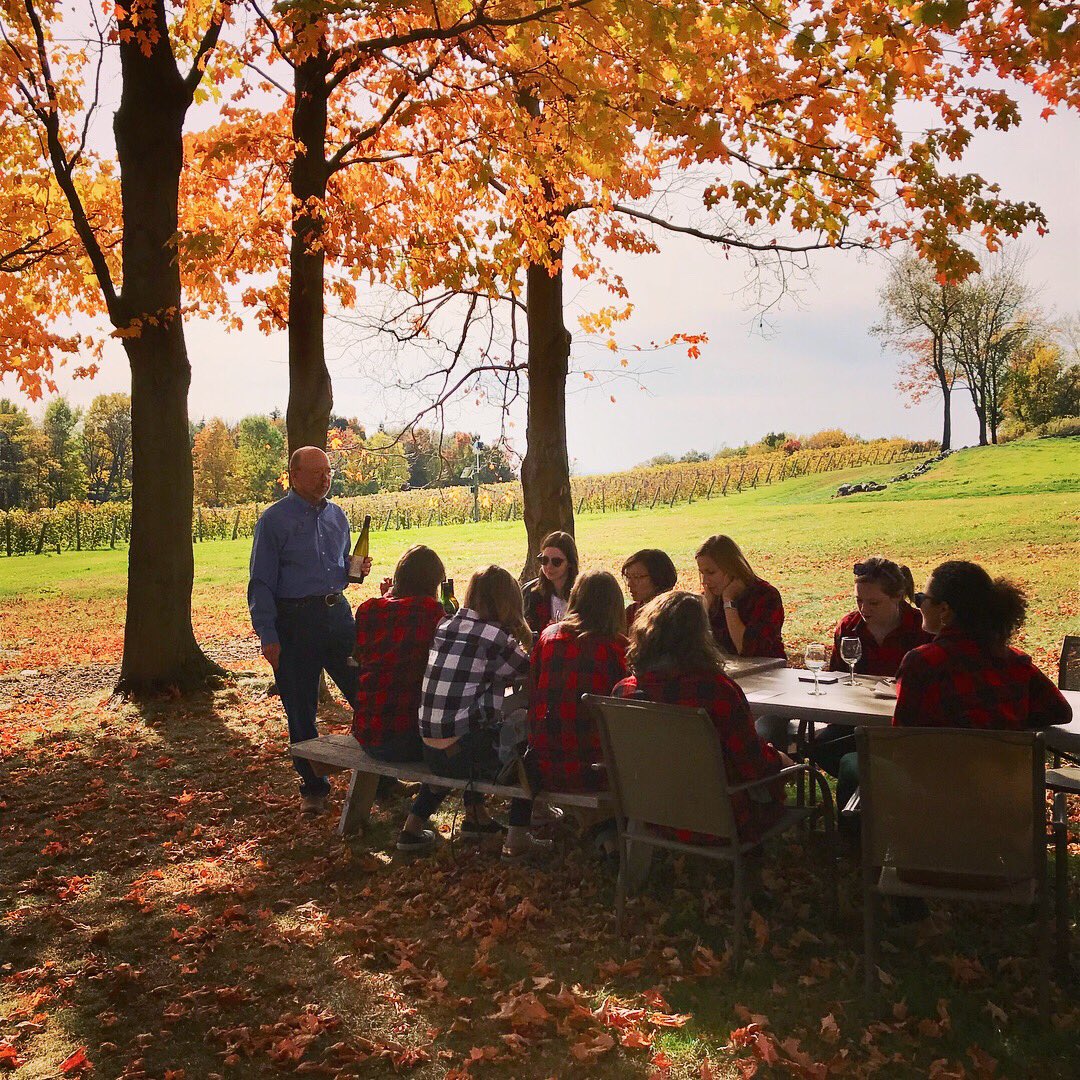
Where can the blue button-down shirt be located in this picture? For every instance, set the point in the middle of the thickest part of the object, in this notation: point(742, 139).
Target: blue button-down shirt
point(298, 550)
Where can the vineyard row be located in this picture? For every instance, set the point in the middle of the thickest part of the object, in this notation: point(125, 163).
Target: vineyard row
point(84, 527)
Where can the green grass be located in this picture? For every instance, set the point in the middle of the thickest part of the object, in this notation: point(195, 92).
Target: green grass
point(1013, 508)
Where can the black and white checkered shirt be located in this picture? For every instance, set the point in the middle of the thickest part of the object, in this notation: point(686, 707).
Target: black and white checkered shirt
point(470, 664)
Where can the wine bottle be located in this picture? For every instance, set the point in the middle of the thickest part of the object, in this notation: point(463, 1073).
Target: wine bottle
point(360, 551)
point(449, 601)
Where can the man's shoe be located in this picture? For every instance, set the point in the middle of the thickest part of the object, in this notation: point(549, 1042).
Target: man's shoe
point(390, 788)
point(414, 842)
point(314, 804)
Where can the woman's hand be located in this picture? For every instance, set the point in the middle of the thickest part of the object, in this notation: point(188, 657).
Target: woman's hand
point(386, 587)
point(733, 590)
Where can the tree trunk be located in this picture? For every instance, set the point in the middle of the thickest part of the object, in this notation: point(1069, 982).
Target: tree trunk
point(545, 471)
point(159, 646)
point(946, 391)
point(310, 394)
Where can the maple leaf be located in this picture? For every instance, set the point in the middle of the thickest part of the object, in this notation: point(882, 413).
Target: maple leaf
point(9, 1059)
point(590, 1047)
point(76, 1062)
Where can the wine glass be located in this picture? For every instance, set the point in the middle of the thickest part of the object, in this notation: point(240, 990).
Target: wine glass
point(815, 661)
point(851, 654)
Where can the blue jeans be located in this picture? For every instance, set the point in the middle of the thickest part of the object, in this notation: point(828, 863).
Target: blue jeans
point(313, 638)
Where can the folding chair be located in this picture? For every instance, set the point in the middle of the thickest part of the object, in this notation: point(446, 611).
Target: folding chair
point(665, 767)
point(953, 814)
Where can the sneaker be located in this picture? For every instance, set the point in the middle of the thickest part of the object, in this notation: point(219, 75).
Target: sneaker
point(544, 816)
point(420, 841)
point(478, 830)
point(531, 847)
point(313, 804)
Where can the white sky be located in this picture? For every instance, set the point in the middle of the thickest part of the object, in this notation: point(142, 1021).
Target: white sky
point(816, 366)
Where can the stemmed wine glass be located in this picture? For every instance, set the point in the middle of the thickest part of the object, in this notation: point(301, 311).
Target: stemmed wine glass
point(815, 661)
point(851, 654)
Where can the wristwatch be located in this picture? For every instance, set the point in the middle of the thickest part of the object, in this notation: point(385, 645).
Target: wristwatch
point(729, 604)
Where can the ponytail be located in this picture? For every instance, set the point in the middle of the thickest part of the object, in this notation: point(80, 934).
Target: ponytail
point(894, 580)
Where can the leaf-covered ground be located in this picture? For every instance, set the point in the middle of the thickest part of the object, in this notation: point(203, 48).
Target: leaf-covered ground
point(166, 912)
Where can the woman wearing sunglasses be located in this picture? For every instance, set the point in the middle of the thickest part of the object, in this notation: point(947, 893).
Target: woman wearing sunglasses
point(969, 676)
point(545, 597)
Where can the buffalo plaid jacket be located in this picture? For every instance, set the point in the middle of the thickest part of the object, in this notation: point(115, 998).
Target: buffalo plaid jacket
point(746, 755)
point(762, 613)
point(393, 636)
point(958, 681)
point(563, 737)
point(880, 658)
point(470, 662)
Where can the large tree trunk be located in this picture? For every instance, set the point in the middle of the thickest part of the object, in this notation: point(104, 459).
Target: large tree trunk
point(310, 394)
point(545, 472)
point(159, 646)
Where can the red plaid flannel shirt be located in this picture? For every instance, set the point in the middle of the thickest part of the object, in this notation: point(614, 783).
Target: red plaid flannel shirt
point(537, 606)
point(762, 613)
point(746, 755)
point(880, 658)
point(958, 681)
point(564, 738)
point(393, 636)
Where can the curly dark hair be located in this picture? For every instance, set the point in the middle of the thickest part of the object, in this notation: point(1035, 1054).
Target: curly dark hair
point(672, 633)
point(992, 609)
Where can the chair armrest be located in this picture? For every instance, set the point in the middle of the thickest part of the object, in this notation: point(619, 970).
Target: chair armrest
point(784, 773)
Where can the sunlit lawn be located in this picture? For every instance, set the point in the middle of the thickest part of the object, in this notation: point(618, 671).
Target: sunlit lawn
point(163, 906)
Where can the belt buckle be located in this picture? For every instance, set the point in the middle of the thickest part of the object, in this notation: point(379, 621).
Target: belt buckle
point(331, 598)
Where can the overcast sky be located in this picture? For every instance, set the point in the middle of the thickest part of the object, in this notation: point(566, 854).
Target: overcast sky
point(815, 364)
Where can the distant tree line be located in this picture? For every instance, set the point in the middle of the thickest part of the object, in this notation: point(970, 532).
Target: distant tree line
point(84, 455)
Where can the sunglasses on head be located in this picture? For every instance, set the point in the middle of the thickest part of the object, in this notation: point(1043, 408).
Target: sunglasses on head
point(552, 560)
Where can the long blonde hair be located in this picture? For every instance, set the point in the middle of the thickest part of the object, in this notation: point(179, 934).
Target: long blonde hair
point(728, 557)
point(496, 597)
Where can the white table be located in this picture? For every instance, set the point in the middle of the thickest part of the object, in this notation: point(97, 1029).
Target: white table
point(779, 692)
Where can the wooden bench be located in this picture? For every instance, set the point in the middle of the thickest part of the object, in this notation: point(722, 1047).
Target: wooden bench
point(341, 753)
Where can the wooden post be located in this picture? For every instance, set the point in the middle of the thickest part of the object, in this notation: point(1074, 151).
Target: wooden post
point(603, 500)
point(727, 477)
point(742, 469)
point(78, 531)
point(768, 475)
point(7, 533)
point(41, 537)
point(198, 522)
point(236, 525)
point(637, 495)
point(693, 489)
point(656, 495)
point(711, 486)
point(674, 495)
point(115, 523)
point(386, 523)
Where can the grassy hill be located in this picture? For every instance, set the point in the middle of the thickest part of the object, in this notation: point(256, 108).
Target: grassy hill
point(1014, 508)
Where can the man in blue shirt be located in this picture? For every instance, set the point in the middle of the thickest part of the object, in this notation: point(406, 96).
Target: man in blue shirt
point(297, 603)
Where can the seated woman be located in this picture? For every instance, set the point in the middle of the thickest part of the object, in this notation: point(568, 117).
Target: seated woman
point(887, 627)
point(393, 635)
point(969, 676)
point(583, 654)
point(676, 660)
point(545, 597)
point(745, 612)
point(647, 574)
point(477, 653)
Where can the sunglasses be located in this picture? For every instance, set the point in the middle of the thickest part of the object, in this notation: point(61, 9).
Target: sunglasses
point(921, 597)
point(552, 560)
